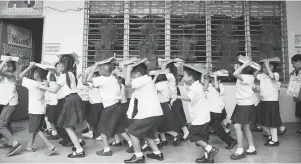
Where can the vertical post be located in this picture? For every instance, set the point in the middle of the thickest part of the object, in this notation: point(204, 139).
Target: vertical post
point(85, 37)
point(208, 36)
point(285, 62)
point(126, 35)
point(167, 29)
point(247, 28)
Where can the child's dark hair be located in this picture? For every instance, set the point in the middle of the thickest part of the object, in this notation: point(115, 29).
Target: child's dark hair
point(195, 75)
point(121, 80)
point(173, 69)
point(274, 64)
point(160, 78)
point(111, 67)
point(296, 58)
point(96, 74)
point(141, 68)
point(52, 77)
point(248, 70)
point(69, 66)
point(13, 63)
point(42, 73)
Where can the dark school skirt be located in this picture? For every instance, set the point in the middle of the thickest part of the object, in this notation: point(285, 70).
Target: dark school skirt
point(94, 115)
point(224, 114)
point(71, 112)
point(145, 128)
point(242, 114)
point(51, 113)
point(199, 132)
point(298, 109)
point(125, 120)
point(110, 122)
point(36, 122)
point(86, 109)
point(170, 122)
point(270, 115)
point(256, 117)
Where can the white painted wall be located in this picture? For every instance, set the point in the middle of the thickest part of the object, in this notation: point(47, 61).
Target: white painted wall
point(65, 28)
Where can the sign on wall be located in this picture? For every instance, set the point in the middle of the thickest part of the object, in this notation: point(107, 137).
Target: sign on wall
point(19, 36)
point(51, 48)
point(21, 8)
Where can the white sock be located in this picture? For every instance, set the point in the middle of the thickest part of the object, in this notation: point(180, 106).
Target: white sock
point(208, 148)
point(144, 146)
point(206, 155)
point(15, 143)
point(130, 143)
point(139, 154)
point(106, 149)
point(157, 140)
point(80, 140)
point(157, 152)
point(54, 132)
point(282, 128)
point(239, 151)
point(251, 149)
point(227, 130)
point(79, 150)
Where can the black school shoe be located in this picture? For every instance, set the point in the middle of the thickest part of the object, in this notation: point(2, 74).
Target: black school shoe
point(163, 143)
point(177, 139)
point(82, 143)
point(158, 157)
point(237, 156)
point(68, 144)
point(77, 155)
point(212, 153)
point(234, 143)
point(53, 137)
point(272, 144)
point(135, 159)
point(85, 131)
point(102, 153)
point(251, 153)
point(119, 144)
point(14, 150)
point(280, 133)
point(203, 160)
point(130, 149)
point(256, 129)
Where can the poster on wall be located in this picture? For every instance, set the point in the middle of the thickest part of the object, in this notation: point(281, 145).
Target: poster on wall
point(297, 43)
point(19, 36)
point(21, 8)
point(51, 48)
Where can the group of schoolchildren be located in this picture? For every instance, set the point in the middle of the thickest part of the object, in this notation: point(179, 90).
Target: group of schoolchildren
point(139, 107)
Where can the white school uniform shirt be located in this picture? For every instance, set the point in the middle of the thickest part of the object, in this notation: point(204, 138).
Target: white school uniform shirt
point(109, 89)
point(148, 101)
point(199, 105)
point(123, 95)
point(94, 95)
point(163, 91)
point(36, 97)
point(51, 98)
point(215, 99)
point(268, 87)
point(65, 89)
point(172, 84)
point(82, 90)
point(9, 95)
point(244, 91)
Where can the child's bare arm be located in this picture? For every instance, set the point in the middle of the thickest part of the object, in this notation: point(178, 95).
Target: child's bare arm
point(22, 74)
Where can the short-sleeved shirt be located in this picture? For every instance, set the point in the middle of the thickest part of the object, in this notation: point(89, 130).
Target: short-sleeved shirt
point(268, 87)
point(94, 95)
point(148, 101)
point(215, 99)
point(65, 90)
point(199, 105)
point(163, 91)
point(51, 98)
point(172, 84)
point(36, 97)
point(9, 88)
point(244, 90)
point(82, 90)
point(109, 89)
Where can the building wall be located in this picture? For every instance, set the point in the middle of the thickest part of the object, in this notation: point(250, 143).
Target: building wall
point(67, 29)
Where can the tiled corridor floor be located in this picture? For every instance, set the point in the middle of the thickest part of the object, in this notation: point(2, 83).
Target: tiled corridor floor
point(289, 151)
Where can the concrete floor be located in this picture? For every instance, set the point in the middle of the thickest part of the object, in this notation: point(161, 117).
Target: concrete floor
point(289, 151)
